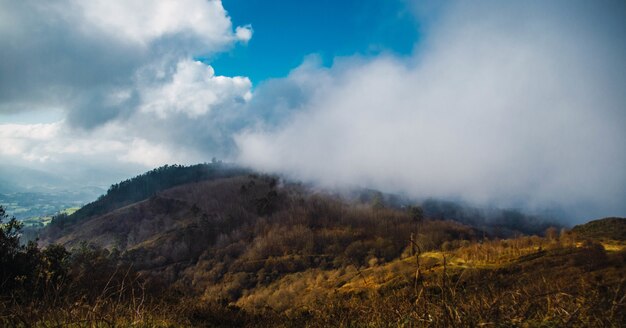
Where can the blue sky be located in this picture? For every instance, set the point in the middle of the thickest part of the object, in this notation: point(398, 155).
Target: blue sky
point(287, 31)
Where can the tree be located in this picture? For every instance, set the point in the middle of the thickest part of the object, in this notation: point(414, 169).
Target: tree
point(378, 202)
point(416, 213)
point(9, 234)
point(17, 262)
point(551, 233)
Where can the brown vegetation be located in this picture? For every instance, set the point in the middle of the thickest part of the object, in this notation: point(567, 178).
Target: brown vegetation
point(247, 251)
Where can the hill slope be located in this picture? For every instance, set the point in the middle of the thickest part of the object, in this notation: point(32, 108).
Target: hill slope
point(249, 223)
point(607, 228)
point(148, 184)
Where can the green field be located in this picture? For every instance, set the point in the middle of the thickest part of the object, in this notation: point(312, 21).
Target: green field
point(42, 221)
point(34, 208)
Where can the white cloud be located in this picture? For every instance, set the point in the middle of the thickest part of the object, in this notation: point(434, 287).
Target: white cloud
point(513, 105)
point(194, 90)
point(22, 141)
point(144, 21)
point(244, 33)
point(29, 131)
point(56, 142)
point(50, 141)
point(147, 154)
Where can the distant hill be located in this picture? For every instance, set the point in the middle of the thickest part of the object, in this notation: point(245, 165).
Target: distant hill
point(608, 228)
point(15, 179)
point(148, 184)
point(495, 221)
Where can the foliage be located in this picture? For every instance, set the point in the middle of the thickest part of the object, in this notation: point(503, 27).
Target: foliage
point(52, 286)
point(607, 228)
point(416, 213)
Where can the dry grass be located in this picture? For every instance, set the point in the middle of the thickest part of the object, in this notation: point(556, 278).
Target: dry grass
point(557, 286)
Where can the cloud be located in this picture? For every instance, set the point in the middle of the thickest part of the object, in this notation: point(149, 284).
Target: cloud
point(121, 75)
point(142, 22)
point(244, 33)
point(111, 148)
point(79, 55)
point(143, 152)
point(502, 104)
point(194, 90)
point(507, 104)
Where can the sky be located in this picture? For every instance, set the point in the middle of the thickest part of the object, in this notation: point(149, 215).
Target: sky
point(288, 31)
point(508, 104)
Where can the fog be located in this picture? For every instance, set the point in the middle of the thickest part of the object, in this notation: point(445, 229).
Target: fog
point(510, 105)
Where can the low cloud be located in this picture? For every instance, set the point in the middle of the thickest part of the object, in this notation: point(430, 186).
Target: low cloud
point(509, 105)
point(193, 90)
point(52, 144)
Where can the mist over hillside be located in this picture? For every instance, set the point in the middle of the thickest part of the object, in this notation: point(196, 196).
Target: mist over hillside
point(502, 222)
point(511, 104)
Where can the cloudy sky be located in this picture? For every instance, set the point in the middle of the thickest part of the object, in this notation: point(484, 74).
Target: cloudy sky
point(507, 104)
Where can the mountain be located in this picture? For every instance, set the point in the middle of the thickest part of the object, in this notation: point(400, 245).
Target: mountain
point(217, 245)
point(239, 223)
point(171, 211)
point(148, 184)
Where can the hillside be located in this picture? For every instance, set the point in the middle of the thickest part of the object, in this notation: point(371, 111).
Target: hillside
point(607, 228)
point(252, 250)
point(251, 219)
point(148, 184)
